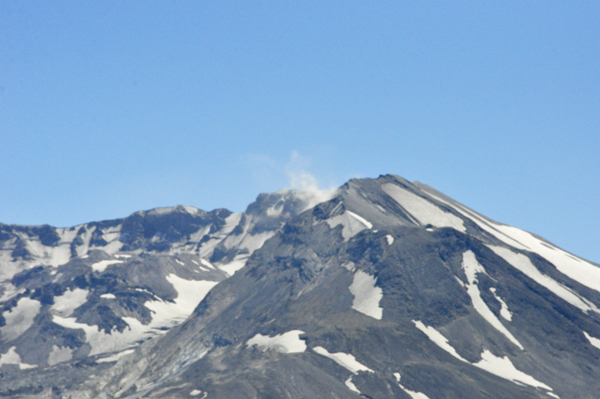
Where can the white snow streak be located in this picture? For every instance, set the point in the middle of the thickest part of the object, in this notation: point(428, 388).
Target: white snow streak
point(499, 366)
point(504, 312)
point(523, 263)
point(361, 219)
point(390, 239)
point(421, 209)
point(412, 394)
point(108, 296)
point(471, 267)
point(572, 266)
point(593, 341)
point(437, 338)
point(352, 224)
point(503, 367)
point(288, 342)
point(343, 359)
point(351, 385)
point(366, 295)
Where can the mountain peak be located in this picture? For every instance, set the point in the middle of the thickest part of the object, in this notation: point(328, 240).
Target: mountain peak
point(382, 288)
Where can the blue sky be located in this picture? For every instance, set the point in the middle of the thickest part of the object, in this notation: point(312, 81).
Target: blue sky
point(107, 108)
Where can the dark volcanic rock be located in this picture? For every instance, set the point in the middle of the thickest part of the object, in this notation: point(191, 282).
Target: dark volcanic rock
point(387, 290)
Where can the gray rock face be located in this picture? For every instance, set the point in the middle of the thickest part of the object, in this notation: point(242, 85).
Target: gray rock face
point(90, 293)
point(389, 289)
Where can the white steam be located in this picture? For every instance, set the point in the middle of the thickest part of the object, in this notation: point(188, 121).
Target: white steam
point(305, 182)
point(293, 174)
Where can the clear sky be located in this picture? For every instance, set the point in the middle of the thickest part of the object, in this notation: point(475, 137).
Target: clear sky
point(109, 107)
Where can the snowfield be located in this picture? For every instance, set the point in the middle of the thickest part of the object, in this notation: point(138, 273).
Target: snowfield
point(366, 295)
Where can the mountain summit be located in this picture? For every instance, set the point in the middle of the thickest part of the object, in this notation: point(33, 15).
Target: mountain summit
point(387, 289)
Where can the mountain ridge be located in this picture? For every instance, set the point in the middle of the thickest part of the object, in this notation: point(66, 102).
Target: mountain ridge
point(387, 289)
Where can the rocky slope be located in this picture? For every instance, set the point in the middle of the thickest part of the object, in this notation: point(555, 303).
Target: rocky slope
point(387, 290)
point(94, 290)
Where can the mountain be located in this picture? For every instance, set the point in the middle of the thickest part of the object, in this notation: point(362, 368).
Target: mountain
point(387, 289)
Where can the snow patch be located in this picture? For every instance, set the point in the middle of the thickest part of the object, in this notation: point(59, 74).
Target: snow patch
point(12, 357)
point(206, 263)
point(165, 314)
point(123, 256)
point(361, 219)
point(53, 256)
point(236, 264)
point(65, 304)
point(231, 223)
point(10, 291)
point(20, 318)
point(351, 224)
point(108, 296)
point(59, 355)
point(573, 267)
point(288, 342)
point(471, 267)
point(343, 359)
point(504, 312)
point(499, 366)
point(523, 264)
point(103, 264)
point(593, 341)
point(111, 235)
point(189, 294)
point(351, 385)
point(437, 338)
point(390, 239)
point(256, 241)
point(424, 211)
point(180, 262)
point(503, 367)
point(366, 295)
point(412, 394)
point(102, 342)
